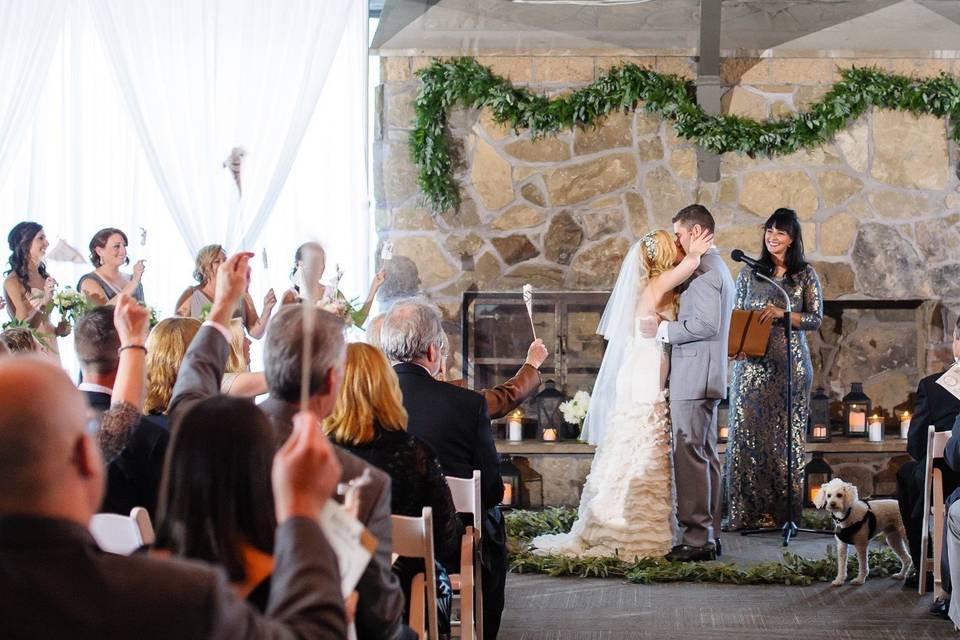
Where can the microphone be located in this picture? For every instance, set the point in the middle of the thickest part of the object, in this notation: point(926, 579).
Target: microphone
point(738, 256)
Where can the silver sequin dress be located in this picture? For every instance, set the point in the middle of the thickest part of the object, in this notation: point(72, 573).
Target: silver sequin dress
point(756, 458)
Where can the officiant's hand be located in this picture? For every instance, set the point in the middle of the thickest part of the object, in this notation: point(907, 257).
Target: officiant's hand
point(771, 313)
point(537, 354)
point(648, 326)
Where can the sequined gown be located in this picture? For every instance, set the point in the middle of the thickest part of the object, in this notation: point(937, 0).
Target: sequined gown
point(756, 457)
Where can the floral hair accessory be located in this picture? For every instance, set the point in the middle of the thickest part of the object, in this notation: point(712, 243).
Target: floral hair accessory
point(650, 245)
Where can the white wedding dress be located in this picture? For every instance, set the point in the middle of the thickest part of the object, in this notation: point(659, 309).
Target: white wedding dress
point(627, 504)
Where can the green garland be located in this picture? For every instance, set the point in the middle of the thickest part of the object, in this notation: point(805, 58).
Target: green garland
point(523, 526)
point(464, 81)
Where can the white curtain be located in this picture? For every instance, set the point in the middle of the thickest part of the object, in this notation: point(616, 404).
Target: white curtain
point(29, 33)
point(203, 77)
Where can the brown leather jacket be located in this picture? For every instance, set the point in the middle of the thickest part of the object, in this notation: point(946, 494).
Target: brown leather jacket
point(506, 397)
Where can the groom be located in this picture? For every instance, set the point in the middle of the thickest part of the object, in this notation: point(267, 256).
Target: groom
point(698, 381)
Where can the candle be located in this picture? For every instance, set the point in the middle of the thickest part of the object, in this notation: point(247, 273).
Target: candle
point(858, 421)
point(819, 431)
point(876, 429)
point(904, 425)
point(724, 432)
point(813, 493)
point(515, 430)
point(549, 435)
point(507, 493)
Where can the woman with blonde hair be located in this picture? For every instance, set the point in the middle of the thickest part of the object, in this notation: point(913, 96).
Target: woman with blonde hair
point(237, 378)
point(626, 508)
point(369, 421)
point(166, 347)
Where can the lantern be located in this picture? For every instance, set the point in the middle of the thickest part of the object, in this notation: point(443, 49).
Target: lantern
point(511, 482)
point(856, 408)
point(815, 474)
point(550, 420)
point(723, 421)
point(819, 429)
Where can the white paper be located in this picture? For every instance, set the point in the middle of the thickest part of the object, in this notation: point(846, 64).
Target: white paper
point(63, 252)
point(951, 380)
point(386, 253)
point(344, 533)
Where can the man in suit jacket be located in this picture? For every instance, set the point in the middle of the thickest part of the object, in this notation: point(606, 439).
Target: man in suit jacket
point(380, 606)
point(698, 382)
point(454, 422)
point(58, 584)
point(133, 475)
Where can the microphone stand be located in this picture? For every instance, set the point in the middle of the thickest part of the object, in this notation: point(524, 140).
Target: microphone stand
point(789, 528)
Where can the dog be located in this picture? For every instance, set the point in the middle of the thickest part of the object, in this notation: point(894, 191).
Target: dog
point(857, 522)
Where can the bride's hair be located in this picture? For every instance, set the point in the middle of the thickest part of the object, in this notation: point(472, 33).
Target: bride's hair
point(659, 252)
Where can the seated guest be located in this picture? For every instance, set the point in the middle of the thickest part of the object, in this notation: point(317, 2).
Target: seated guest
point(135, 467)
point(108, 252)
point(238, 380)
point(58, 584)
point(166, 348)
point(936, 406)
point(19, 340)
point(380, 605)
point(370, 422)
point(454, 422)
point(195, 301)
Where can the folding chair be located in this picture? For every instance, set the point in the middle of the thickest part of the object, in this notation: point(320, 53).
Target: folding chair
point(932, 503)
point(466, 584)
point(413, 538)
point(122, 534)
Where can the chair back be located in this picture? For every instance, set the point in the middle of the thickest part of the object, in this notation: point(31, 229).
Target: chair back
point(933, 507)
point(413, 538)
point(122, 535)
point(466, 497)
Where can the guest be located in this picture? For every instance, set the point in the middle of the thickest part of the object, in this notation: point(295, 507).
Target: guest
point(756, 449)
point(108, 252)
point(454, 422)
point(320, 291)
point(28, 289)
point(166, 348)
point(58, 584)
point(195, 301)
point(370, 422)
point(238, 380)
point(936, 406)
point(380, 605)
point(19, 340)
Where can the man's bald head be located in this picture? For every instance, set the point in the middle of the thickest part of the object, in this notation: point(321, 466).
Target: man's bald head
point(47, 461)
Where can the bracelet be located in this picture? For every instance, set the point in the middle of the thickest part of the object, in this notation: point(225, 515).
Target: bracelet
point(132, 346)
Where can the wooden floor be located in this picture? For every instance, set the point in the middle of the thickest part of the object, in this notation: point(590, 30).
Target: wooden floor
point(540, 607)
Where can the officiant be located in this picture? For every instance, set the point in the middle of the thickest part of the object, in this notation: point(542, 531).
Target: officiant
point(756, 457)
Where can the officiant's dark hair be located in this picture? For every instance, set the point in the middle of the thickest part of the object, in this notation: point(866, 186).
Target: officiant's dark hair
point(785, 220)
point(695, 214)
point(100, 240)
point(20, 238)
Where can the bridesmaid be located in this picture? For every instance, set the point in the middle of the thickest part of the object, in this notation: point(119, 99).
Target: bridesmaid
point(108, 252)
point(756, 458)
point(28, 289)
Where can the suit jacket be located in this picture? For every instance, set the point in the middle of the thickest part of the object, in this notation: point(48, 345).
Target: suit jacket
point(698, 358)
point(455, 423)
point(381, 603)
point(506, 397)
point(58, 584)
point(934, 405)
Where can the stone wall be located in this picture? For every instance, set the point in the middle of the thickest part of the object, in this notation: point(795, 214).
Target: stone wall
point(879, 205)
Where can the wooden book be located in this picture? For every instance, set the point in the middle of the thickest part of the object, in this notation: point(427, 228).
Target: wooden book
point(747, 334)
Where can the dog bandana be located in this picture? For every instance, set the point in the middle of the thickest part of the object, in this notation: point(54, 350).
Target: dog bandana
point(846, 534)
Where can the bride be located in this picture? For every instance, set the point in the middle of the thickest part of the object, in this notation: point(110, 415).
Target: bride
point(626, 508)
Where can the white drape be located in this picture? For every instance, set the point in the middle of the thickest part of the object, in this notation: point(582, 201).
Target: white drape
point(202, 77)
point(29, 33)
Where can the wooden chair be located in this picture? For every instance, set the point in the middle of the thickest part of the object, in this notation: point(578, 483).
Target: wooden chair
point(413, 538)
point(466, 584)
point(933, 503)
point(122, 534)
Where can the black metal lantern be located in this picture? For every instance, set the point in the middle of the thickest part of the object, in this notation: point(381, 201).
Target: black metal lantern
point(819, 429)
point(550, 423)
point(856, 411)
point(815, 474)
point(511, 482)
point(723, 421)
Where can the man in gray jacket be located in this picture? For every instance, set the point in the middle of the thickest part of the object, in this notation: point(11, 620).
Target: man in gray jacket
point(698, 381)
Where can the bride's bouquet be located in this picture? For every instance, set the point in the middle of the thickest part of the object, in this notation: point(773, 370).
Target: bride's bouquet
point(71, 304)
point(575, 410)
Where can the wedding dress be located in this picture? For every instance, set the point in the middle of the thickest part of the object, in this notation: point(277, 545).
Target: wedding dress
point(627, 505)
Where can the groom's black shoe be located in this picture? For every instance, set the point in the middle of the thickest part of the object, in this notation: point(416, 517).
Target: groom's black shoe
point(688, 553)
point(718, 550)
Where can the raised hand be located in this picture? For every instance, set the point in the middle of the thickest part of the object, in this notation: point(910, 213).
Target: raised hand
point(132, 320)
point(537, 353)
point(305, 470)
point(269, 301)
point(138, 268)
point(233, 277)
point(700, 242)
point(49, 288)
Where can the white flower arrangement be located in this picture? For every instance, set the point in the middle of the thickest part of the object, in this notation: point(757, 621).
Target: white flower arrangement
point(575, 410)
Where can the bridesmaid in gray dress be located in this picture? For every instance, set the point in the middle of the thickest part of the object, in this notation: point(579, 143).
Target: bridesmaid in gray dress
point(756, 458)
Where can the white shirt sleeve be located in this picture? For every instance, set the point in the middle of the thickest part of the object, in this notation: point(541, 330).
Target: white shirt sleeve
point(662, 332)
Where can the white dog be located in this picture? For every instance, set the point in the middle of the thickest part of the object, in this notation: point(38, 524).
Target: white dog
point(857, 522)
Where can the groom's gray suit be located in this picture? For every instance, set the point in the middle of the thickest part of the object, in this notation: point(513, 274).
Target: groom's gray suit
point(698, 381)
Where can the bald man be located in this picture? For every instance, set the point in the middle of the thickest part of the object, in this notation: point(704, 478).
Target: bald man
point(56, 582)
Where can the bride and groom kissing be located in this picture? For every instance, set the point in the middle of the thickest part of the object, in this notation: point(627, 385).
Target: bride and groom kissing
point(654, 485)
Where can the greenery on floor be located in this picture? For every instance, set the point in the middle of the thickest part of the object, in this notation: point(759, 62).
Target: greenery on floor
point(464, 81)
point(523, 526)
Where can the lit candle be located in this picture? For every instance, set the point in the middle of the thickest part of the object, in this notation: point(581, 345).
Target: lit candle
point(858, 421)
point(515, 427)
point(507, 493)
point(549, 435)
point(813, 493)
point(876, 429)
point(904, 425)
point(724, 433)
point(819, 431)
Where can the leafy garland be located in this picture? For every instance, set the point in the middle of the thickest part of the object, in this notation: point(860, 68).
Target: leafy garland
point(464, 81)
point(523, 526)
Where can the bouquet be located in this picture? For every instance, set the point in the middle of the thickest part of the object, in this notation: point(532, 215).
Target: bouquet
point(71, 304)
point(575, 410)
point(338, 305)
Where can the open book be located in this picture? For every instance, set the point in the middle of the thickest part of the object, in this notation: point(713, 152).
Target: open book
point(747, 334)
